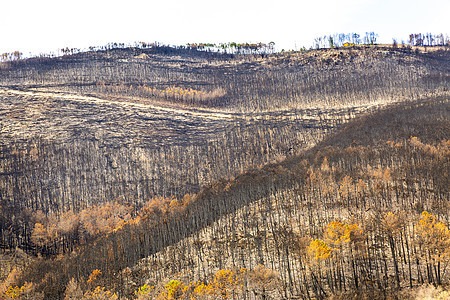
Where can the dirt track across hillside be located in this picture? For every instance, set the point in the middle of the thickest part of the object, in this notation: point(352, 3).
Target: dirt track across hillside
point(62, 116)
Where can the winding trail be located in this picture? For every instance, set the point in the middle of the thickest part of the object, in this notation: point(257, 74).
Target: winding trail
point(279, 115)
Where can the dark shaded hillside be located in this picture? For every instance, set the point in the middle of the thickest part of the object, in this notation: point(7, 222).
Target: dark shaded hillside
point(280, 197)
point(426, 119)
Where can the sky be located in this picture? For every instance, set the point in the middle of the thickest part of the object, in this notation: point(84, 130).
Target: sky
point(43, 26)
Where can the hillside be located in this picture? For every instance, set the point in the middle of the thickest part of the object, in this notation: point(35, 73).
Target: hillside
point(259, 152)
point(109, 110)
point(282, 205)
point(241, 83)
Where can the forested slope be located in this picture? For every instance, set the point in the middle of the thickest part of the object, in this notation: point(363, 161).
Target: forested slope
point(374, 192)
point(85, 128)
point(152, 166)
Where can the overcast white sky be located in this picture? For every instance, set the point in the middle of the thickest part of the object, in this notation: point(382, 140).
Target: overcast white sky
point(41, 26)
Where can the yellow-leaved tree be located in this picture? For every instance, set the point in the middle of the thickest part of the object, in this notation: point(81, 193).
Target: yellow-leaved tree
point(100, 293)
point(319, 250)
point(433, 238)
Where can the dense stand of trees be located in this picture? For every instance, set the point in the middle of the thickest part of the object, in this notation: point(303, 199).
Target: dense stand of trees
point(109, 153)
point(339, 220)
point(89, 185)
point(81, 172)
point(319, 236)
point(55, 178)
